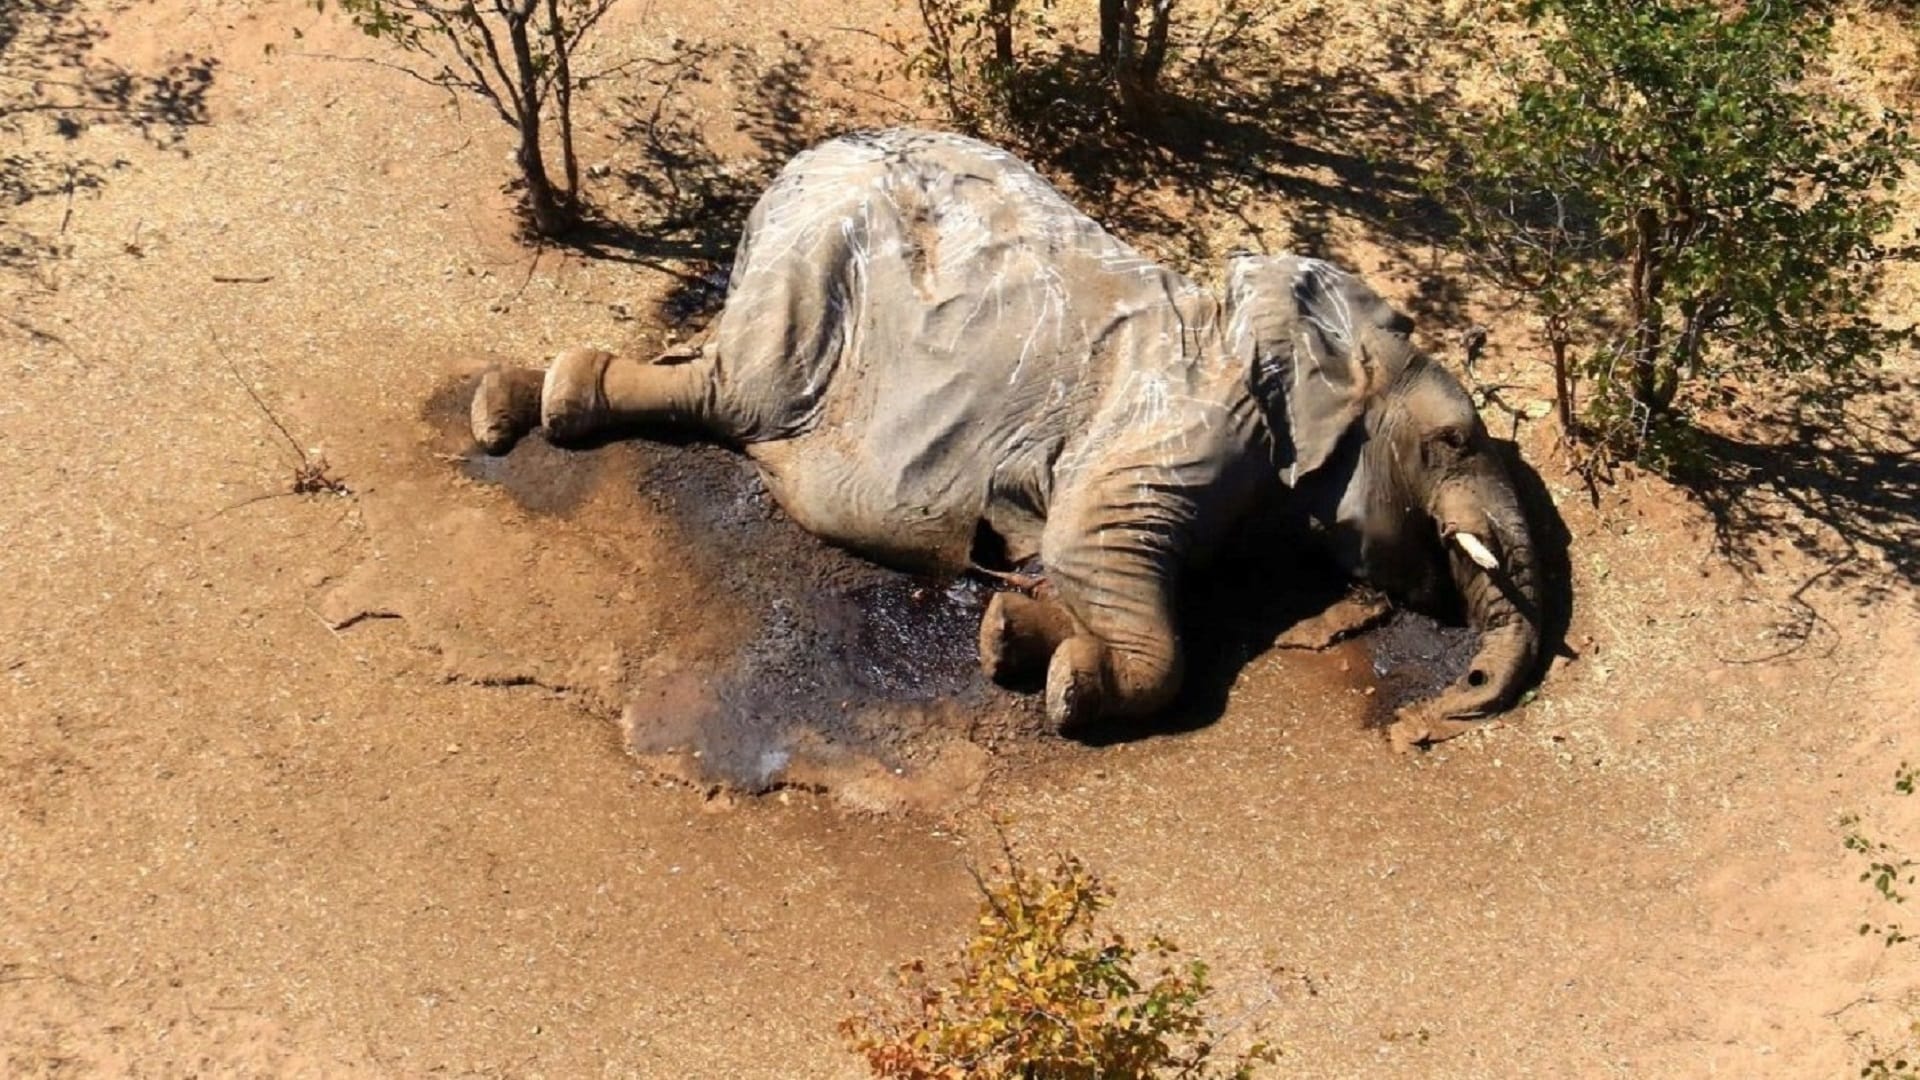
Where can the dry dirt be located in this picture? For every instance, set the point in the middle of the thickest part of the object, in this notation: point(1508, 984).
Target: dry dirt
point(335, 784)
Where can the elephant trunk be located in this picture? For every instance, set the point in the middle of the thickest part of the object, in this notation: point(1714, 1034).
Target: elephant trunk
point(1503, 603)
point(1491, 556)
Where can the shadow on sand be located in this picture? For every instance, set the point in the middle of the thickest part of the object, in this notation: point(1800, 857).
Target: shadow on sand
point(52, 84)
point(1841, 487)
point(1238, 125)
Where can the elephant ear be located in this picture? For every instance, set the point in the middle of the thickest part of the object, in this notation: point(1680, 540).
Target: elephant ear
point(1322, 347)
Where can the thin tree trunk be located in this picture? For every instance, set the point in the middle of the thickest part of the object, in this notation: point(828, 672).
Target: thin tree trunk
point(1132, 62)
point(1562, 378)
point(550, 217)
point(1000, 13)
point(1673, 366)
point(1153, 59)
point(563, 99)
point(1113, 23)
point(1700, 321)
point(1648, 278)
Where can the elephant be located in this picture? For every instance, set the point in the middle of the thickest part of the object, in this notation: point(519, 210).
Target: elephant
point(928, 352)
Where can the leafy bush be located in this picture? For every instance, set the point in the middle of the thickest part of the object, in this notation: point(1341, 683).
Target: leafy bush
point(1040, 993)
point(1683, 203)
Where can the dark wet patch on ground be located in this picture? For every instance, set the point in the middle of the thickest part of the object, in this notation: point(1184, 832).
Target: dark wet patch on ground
point(828, 659)
point(542, 478)
point(877, 669)
point(1414, 656)
point(840, 656)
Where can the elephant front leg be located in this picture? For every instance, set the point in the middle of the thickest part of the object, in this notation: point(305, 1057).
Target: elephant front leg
point(1114, 568)
point(1019, 633)
point(1088, 677)
point(1091, 678)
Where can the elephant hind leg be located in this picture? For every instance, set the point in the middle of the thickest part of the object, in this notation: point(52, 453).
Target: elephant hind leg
point(586, 394)
point(506, 405)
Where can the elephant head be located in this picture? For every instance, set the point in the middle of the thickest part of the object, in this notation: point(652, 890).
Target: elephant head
point(1386, 454)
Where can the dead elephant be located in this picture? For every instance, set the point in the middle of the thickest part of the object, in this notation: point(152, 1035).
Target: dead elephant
point(923, 342)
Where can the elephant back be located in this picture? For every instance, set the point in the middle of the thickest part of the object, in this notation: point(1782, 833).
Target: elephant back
point(923, 334)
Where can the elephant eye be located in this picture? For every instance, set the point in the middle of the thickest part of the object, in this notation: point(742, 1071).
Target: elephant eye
point(1445, 447)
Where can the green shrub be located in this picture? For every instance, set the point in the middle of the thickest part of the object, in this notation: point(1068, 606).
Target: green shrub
point(1040, 993)
point(1684, 204)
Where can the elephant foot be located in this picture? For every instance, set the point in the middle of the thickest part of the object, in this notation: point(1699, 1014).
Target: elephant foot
point(997, 654)
point(1347, 617)
point(1075, 682)
point(1017, 635)
point(506, 405)
point(573, 401)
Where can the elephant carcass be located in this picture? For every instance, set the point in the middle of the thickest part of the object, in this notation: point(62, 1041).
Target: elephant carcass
point(924, 343)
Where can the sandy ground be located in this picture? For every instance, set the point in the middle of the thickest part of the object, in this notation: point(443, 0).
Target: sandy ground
point(332, 784)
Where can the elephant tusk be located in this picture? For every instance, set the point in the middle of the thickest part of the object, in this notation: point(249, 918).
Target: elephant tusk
point(1476, 551)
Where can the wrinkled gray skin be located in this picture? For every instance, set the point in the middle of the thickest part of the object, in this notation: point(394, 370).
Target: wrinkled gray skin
point(921, 336)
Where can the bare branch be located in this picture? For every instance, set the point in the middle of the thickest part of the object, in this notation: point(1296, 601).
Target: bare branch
point(446, 80)
point(448, 27)
point(493, 55)
point(587, 22)
point(875, 35)
point(299, 452)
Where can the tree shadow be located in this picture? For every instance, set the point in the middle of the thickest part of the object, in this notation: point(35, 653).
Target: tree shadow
point(52, 84)
point(1243, 122)
point(1837, 479)
point(696, 184)
point(1239, 123)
